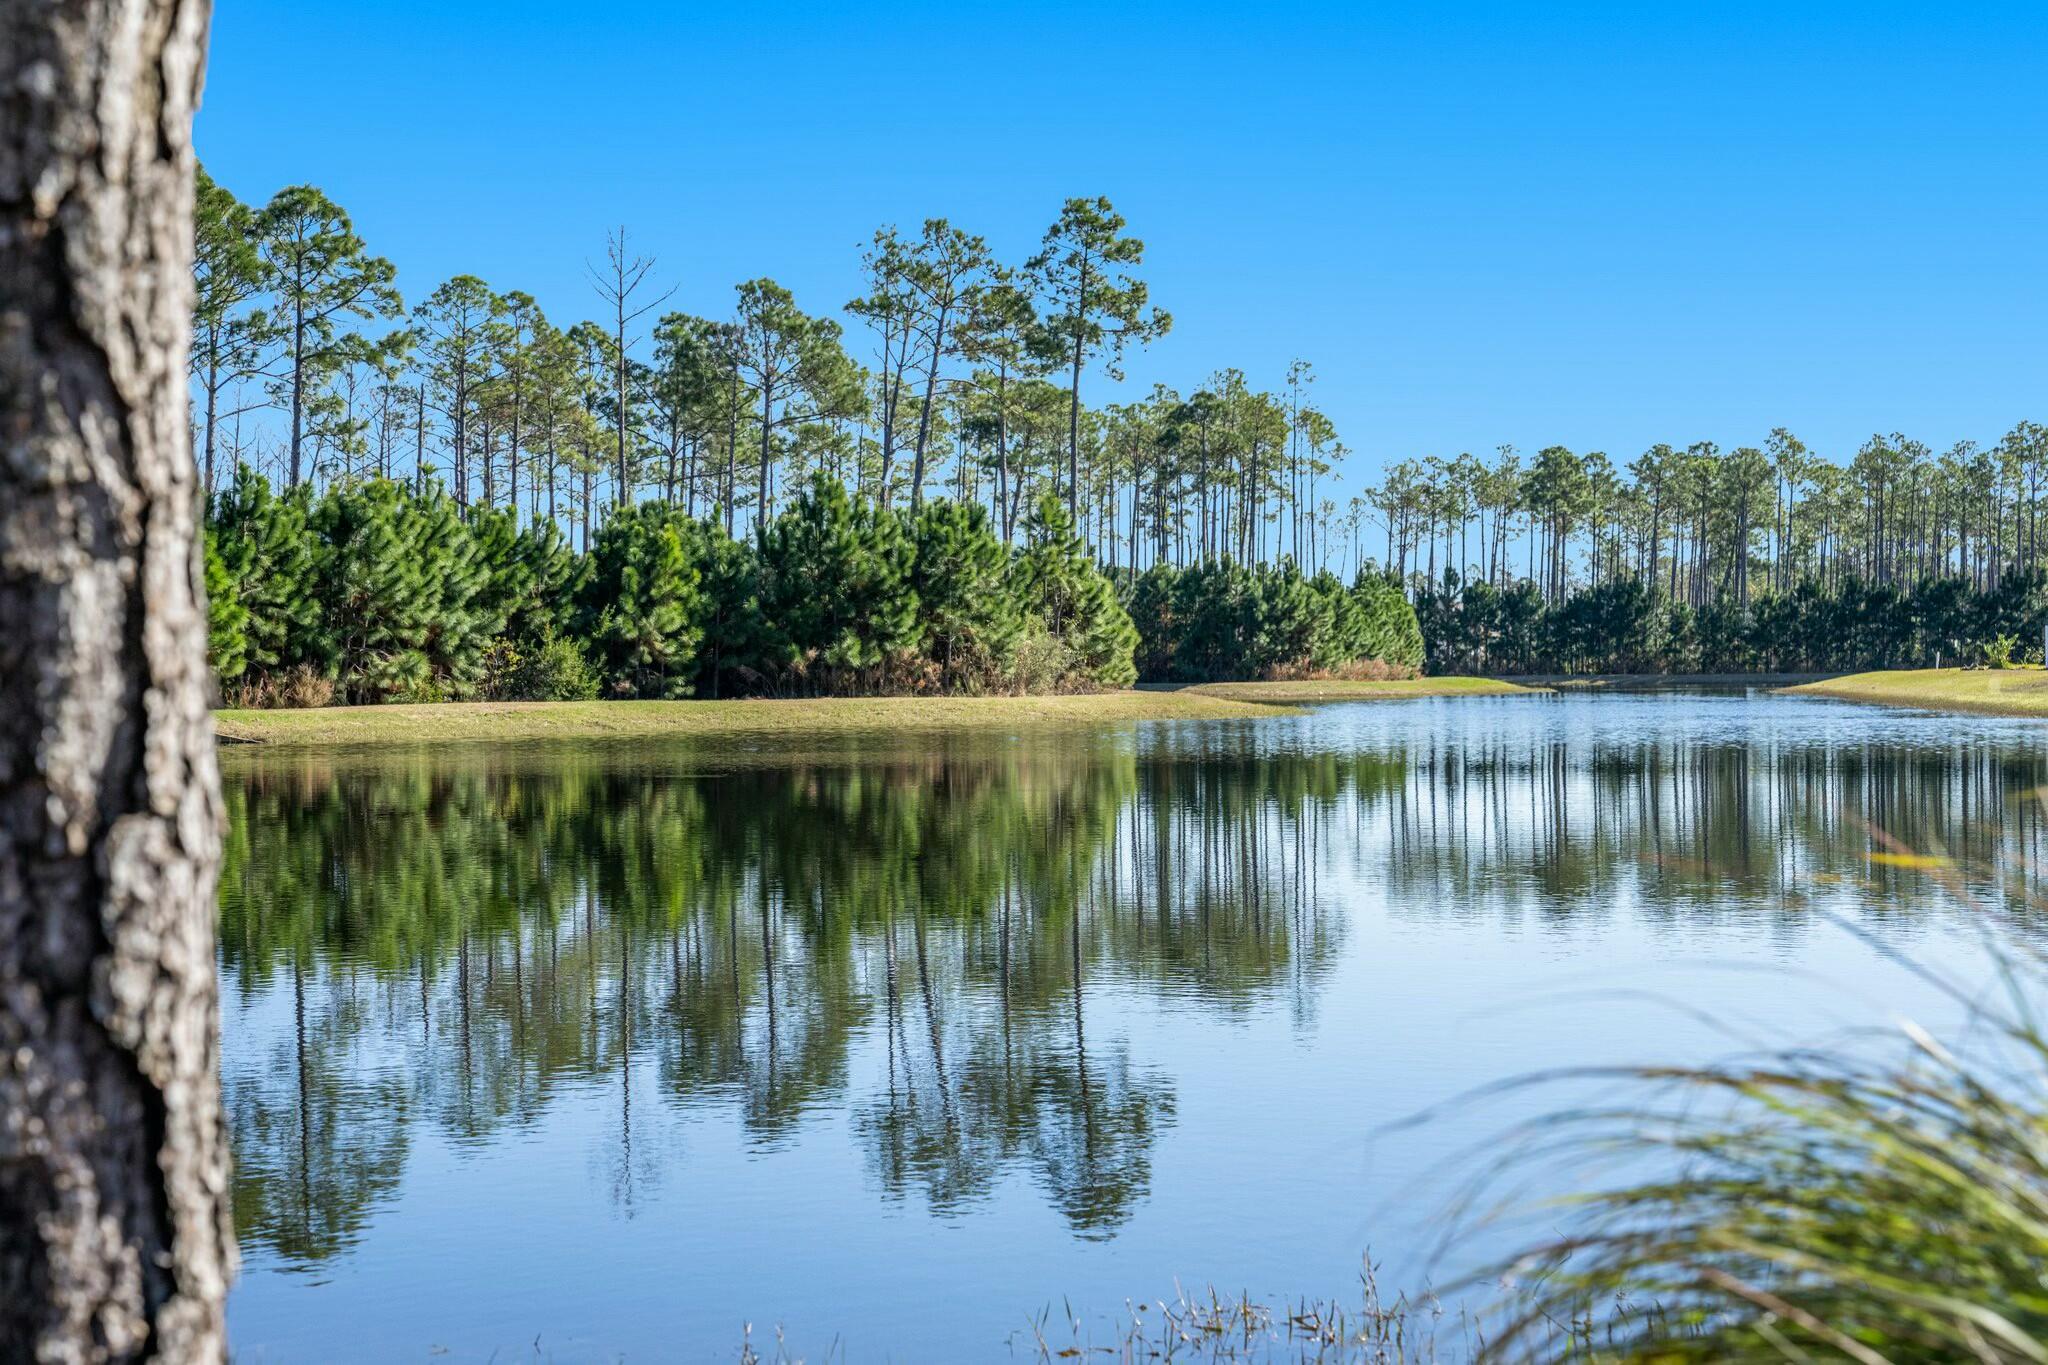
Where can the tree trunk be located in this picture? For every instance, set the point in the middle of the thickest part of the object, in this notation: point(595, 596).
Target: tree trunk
point(298, 383)
point(114, 1235)
point(619, 370)
point(732, 445)
point(1074, 434)
point(212, 407)
point(924, 420)
point(767, 486)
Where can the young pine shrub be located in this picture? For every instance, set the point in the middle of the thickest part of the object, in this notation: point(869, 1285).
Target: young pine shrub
point(227, 619)
point(1153, 608)
point(1058, 584)
point(409, 591)
point(836, 588)
point(270, 566)
point(967, 609)
point(641, 603)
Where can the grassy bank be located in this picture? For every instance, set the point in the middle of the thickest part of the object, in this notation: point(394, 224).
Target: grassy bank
point(448, 722)
point(1659, 682)
point(1387, 689)
point(1989, 691)
point(512, 721)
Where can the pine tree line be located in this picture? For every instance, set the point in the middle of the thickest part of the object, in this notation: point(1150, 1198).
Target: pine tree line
point(1625, 626)
point(970, 388)
point(963, 376)
point(1220, 621)
point(1697, 559)
point(372, 590)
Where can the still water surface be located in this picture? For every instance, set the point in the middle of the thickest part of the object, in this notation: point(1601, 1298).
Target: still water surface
point(600, 1051)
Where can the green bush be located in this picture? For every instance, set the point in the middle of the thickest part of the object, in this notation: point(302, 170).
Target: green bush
point(1059, 586)
point(227, 616)
point(375, 591)
point(836, 590)
point(641, 606)
point(549, 669)
point(1218, 621)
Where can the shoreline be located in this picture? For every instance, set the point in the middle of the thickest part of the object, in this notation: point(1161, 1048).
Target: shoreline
point(2019, 692)
point(810, 717)
point(1650, 682)
point(1309, 691)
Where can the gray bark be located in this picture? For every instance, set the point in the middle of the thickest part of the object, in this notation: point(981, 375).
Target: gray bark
point(114, 1235)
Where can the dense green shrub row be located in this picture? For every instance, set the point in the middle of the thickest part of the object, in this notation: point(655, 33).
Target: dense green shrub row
point(1220, 621)
point(1625, 626)
point(373, 592)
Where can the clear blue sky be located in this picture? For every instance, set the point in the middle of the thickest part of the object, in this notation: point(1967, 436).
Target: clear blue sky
point(1596, 225)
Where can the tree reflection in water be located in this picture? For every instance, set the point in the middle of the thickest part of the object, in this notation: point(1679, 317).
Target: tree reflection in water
point(938, 941)
point(461, 937)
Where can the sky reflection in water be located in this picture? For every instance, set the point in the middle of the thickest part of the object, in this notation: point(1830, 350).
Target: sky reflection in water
point(625, 1047)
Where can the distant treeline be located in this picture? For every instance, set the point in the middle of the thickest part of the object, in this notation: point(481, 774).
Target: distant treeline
point(1626, 625)
point(1700, 559)
point(374, 591)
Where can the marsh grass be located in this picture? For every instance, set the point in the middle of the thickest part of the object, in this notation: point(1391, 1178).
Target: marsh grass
point(1208, 1327)
point(1880, 1200)
point(1848, 1203)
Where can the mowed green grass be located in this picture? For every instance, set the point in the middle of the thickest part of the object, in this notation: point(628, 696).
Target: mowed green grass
point(444, 722)
point(1991, 691)
point(1389, 689)
point(454, 722)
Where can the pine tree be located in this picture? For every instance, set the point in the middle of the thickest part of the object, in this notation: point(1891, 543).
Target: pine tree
point(503, 570)
point(836, 588)
point(1392, 633)
point(732, 633)
point(470, 577)
point(373, 594)
point(271, 559)
point(230, 336)
point(321, 276)
point(968, 611)
point(642, 603)
point(1289, 625)
point(1058, 582)
point(1155, 616)
point(1095, 305)
point(227, 617)
point(552, 579)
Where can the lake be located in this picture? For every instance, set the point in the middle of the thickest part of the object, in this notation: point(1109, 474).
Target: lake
point(589, 1052)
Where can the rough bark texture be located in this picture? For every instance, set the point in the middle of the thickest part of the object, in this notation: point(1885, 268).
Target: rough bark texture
point(114, 1236)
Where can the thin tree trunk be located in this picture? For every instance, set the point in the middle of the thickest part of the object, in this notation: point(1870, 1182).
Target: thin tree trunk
point(924, 420)
point(114, 1235)
point(212, 407)
point(298, 387)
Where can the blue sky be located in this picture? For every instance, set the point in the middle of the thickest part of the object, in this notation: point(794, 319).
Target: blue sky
point(1595, 225)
